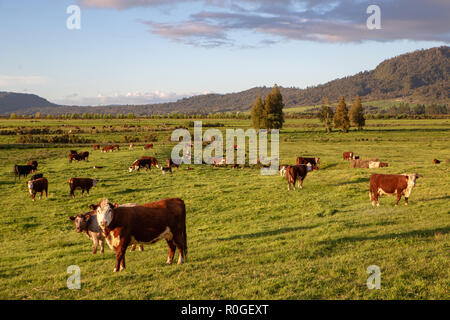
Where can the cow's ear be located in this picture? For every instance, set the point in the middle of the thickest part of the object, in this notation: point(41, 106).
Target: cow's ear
point(72, 218)
point(116, 205)
point(93, 207)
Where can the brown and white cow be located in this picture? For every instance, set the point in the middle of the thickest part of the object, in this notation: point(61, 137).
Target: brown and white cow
point(107, 149)
point(38, 185)
point(140, 163)
point(165, 219)
point(297, 173)
point(148, 146)
point(348, 155)
point(85, 184)
point(87, 222)
point(171, 164)
point(153, 161)
point(96, 147)
point(283, 169)
point(390, 184)
point(116, 147)
point(313, 161)
point(436, 161)
point(377, 164)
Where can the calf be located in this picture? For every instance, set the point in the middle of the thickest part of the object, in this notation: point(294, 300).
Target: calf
point(313, 161)
point(23, 170)
point(390, 184)
point(283, 169)
point(348, 155)
point(85, 184)
point(87, 222)
point(171, 164)
point(297, 172)
point(165, 219)
point(140, 163)
point(39, 185)
point(148, 146)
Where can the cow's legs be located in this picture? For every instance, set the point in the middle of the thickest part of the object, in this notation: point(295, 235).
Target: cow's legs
point(46, 193)
point(95, 240)
point(181, 245)
point(399, 196)
point(40, 196)
point(300, 184)
point(406, 201)
point(172, 249)
point(120, 254)
point(102, 246)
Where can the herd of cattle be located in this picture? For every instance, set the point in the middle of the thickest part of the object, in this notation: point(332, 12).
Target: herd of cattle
point(132, 224)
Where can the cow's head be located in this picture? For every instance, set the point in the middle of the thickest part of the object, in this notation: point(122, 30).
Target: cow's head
point(94, 182)
point(134, 166)
point(81, 221)
point(104, 213)
point(412, 177)
point(30, 187)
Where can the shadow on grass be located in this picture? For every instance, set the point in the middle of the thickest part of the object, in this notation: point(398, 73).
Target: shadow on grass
point(437, 198)
point(389, 236)
point(267, 233)
point(359, 180)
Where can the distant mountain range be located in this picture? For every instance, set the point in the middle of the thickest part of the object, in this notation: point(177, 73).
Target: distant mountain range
point(419, 77)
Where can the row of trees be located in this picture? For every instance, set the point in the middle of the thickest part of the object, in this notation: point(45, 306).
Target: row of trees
point(268, 115)
point(342, 119)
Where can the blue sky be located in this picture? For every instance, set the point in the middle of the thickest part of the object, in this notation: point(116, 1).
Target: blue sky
point(146, 51)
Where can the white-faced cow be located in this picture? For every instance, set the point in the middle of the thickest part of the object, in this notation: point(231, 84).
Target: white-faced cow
point(38, 185)
point(390, 184)
point(297, 173)
point(149, 223)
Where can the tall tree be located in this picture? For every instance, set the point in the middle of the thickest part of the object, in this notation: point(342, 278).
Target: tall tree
point(257, 113)
point(326, 115)
point(273, 106)
point(341, 120)
point(357, 114)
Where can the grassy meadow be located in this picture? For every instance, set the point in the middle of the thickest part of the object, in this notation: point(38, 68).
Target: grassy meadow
point(248, 237)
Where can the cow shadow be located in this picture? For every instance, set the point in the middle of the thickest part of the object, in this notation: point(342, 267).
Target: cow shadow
point(389, 236)
point(267, 233)
point(436, 198)
point(359, 180)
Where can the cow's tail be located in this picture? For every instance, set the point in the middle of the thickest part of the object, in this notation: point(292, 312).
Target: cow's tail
point(185, 241)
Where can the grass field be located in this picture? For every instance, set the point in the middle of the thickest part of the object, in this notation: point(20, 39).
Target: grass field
point(248, 237)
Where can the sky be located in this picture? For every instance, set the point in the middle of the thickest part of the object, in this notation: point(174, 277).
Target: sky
point(151, 51)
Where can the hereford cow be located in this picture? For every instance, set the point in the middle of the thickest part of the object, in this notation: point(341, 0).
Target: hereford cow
point(165, 170)
point(348, 155)
point(148, 146)
point(87, 222)
point(85, 184)
point(377, 164)
point(107, 149)
point(38, 185)
point(165, 219)
point(297, 172)
point(78, 156)
point(153, 161)
point(116, 147)
point(140, 163)
point(72, 152)
point(283, 169)
point(96, 147)
point(390, 184)
point(171, 164)
point(313, 161)
point(23, 170)
point(84, 155)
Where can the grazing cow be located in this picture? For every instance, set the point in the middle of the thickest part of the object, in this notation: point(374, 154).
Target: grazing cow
point(153, 161)
point(360, 163)
point(218, 161)
point(96, 147)
point(377, 164)
point(131, 146)
point(37, 176)
point(348, 155)
point(313, 161)
point(148, 146)
point(140, 163)
point(84, 156)
point(297, 172)
point(283, 169)
point(23, 170)
point(72, 152)
point(171, 164)
point(390, 184)
point(116, 147)
point(87, 222)
point(39, 185)
point(107, 149)
point(85, 184)
point(76, 156)
point(436, 161)
point(165, 219)
point(33, 163)
point(98, 167)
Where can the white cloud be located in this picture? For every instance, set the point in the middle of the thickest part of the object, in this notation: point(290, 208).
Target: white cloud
point(6, 80)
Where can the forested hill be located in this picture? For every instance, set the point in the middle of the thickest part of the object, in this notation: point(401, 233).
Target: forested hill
point(419, 77)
